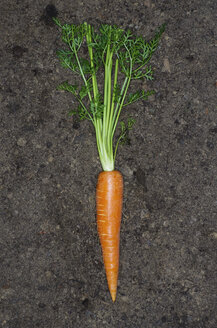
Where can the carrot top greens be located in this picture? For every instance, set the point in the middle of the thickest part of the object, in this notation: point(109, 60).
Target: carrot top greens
point(116, 50)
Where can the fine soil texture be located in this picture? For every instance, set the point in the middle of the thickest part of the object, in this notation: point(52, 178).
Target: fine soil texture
point(51, 269)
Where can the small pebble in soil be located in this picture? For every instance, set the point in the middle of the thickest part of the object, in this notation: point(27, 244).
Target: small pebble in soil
point(213, 235)
point(166, 67)
point(21, 142)
point(50, 159)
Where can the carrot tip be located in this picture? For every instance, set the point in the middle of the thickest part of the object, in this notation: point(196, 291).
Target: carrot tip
point(113, 295)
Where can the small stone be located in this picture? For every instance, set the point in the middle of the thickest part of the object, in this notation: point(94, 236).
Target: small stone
point(193, 220)
point(125, 299)
point(45, 180)
point(166, 224)
point(144, 214)
point(21, 142)
point(196, 101)
point(213, 235)
point(50, 159)
point(166, 67)
point(182, 121)
point(127, 171)
point(48, 274)
point(147, 3)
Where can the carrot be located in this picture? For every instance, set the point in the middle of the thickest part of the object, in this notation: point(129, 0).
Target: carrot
point(109, 197)
point(117, 51)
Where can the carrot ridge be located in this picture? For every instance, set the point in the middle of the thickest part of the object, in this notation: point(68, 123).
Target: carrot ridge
point(109, 199)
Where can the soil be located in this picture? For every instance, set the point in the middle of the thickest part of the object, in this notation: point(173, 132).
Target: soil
point(52, 273)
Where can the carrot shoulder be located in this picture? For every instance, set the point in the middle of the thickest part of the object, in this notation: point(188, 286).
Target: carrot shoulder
point(109, 198)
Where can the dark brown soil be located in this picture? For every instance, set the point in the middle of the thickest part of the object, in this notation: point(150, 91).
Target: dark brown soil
point(51, 271)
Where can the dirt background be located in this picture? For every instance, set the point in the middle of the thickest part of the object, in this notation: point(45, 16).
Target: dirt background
point(51, 267)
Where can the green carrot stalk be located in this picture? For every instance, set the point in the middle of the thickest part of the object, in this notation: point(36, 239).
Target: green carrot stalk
point(121, 55)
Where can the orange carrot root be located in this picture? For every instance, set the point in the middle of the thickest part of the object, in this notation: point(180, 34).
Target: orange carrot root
point(109, 198)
